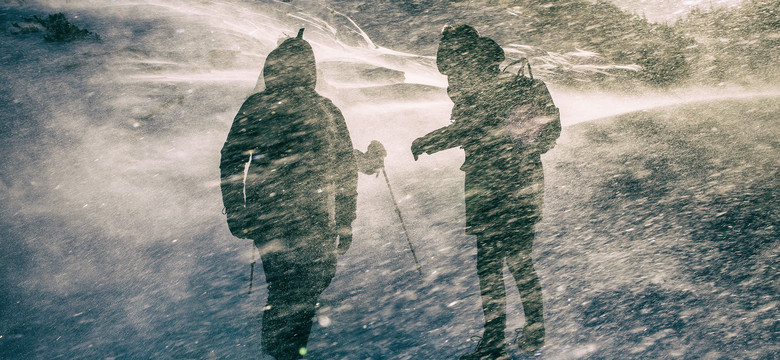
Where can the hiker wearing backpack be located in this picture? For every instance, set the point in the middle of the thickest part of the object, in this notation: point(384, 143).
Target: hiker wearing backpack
point(503, 123)
point(289, 183)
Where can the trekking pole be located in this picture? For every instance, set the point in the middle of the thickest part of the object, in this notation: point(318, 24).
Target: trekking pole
point(252, 269)
point(403, 225)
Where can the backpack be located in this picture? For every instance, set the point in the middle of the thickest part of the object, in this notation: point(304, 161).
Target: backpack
point(535, 116)
point(284, 162)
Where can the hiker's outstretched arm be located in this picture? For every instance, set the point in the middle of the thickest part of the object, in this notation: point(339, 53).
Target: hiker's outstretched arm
point(438, 140)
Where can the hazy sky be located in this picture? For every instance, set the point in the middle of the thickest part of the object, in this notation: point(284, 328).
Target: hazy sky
point(661, 10)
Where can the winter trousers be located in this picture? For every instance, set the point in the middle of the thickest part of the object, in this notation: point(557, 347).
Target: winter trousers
point(293, 289)
point(514, 248)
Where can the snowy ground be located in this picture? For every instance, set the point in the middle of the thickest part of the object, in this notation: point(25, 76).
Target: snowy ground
point(659, 238)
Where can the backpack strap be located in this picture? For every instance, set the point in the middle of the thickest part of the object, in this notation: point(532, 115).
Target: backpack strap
point(525, 63)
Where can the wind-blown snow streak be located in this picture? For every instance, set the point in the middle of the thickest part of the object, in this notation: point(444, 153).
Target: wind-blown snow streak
point(577, 106)
point(330, 41)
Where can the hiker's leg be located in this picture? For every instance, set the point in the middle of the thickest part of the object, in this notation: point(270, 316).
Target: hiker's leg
point(294, 285)
point(275, 323)
point(490, 263)
point(286, 319)
point(521, 266)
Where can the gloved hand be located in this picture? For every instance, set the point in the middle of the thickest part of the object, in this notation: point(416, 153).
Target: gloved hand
point(373, 159)
point(417, 148)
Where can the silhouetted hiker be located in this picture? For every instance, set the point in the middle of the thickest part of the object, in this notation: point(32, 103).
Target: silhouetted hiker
point(289, 182)
point(504, 184)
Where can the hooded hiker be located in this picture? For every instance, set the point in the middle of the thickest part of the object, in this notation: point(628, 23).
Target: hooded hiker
point(289, 183)
point(504, 124)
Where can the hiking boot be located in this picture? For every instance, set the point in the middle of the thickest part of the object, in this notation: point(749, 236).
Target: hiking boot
point(532, 337)
point(487, 352)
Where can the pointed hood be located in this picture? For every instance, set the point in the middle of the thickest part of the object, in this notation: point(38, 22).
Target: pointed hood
point(290, 65)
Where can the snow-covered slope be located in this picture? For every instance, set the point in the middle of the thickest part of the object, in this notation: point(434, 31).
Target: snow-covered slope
point(113, 241)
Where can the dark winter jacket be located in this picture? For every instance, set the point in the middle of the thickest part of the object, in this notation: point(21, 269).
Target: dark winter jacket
point(287, 167)
point(504, 176)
